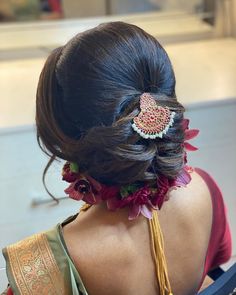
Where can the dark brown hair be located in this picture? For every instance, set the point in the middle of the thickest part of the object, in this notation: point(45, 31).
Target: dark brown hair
point(88, 95)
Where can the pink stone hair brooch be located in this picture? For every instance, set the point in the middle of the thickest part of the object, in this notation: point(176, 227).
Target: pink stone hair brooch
point(153, 121)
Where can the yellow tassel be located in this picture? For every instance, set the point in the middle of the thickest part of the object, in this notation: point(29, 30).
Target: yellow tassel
point(157, 243)
point(85, 207)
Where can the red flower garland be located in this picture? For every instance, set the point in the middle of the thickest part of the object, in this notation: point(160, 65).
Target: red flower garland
point(140, 200)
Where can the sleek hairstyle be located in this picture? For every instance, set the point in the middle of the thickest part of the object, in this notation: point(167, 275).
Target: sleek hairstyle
point(88, 95)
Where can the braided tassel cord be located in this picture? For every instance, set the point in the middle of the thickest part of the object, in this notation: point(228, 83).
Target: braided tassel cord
point(85, 207)
point(157, 243)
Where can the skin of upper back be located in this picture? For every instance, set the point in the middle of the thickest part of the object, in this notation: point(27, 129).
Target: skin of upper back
point(113, 255)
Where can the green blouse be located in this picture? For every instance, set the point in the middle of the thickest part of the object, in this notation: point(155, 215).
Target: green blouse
point(41, 264)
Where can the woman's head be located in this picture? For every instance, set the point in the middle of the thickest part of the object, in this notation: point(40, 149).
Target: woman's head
point(88, 95)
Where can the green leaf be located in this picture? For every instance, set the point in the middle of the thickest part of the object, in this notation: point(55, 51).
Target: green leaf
point(74, 167)
point(128, 190)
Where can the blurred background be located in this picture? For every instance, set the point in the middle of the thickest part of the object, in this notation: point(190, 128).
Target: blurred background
point(200, 38)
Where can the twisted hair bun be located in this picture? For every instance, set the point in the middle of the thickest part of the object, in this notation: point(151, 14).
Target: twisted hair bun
point(88, 95)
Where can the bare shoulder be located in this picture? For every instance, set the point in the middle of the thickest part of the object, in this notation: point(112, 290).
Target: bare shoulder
point(104, 249)
point(201, 202)
point(189, 210)
point(112, 253)
point(186, 221)
point(193, 201)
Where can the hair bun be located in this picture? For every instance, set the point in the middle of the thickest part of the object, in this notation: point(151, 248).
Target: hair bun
point(88, 95)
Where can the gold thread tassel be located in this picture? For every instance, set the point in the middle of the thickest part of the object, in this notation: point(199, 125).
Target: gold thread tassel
point(85, 207)
point(157, 243)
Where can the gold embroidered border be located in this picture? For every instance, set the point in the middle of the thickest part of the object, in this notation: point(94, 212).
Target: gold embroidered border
point(34, 267)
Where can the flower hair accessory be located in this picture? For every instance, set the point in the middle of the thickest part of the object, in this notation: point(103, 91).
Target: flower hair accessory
point(153, 121)
point(139, 198)
point(81, 187)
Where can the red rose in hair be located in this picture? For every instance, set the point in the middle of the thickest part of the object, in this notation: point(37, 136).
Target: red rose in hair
point(138, 202)
point(67, 174)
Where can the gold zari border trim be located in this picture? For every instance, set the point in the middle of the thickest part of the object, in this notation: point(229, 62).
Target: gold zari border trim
point(34, 267)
